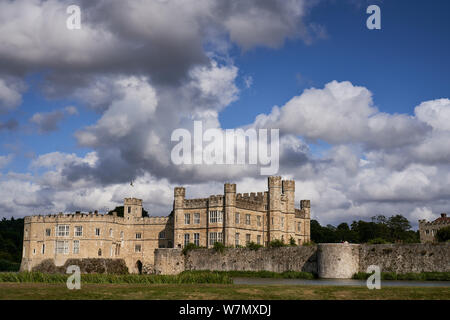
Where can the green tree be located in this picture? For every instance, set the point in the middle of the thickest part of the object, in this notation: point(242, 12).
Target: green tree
point(443, 234)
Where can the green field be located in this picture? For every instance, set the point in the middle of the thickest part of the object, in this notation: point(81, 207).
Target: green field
point(57, 291)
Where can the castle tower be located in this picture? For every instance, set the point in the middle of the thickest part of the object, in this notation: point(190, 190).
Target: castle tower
point(229, 212)
point(288, 188)
point(274, 208)
point(132, 207)
point(305, 205)
point(178, 212)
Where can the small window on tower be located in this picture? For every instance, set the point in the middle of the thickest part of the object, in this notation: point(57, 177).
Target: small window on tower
point(129, 209)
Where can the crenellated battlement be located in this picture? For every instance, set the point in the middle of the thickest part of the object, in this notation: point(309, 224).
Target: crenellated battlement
point(195, 203)
point(68, 217)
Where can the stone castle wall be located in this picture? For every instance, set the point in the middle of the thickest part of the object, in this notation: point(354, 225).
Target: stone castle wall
point(326, 260)
point(402, 258)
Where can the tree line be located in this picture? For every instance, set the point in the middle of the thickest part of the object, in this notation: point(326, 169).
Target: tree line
point(380, 229)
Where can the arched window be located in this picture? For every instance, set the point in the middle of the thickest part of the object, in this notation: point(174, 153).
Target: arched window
point(99, 252)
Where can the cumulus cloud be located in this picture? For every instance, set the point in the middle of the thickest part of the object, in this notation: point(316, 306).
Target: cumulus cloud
point(160, 39)
point(10, 93)
point(342, 113)
point(9, 125)
point(5, 160)
point(48, 121)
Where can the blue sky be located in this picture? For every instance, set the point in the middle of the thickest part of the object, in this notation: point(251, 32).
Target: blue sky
point(96, 107)
point(404, 63)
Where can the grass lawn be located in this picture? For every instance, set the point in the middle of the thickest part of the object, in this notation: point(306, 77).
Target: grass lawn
point(10, 291)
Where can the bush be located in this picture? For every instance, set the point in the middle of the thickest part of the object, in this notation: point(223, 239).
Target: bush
point(46, 266)
point(377, 241)
point(219, 247)
point(277, 243)
point(443, 234)
point(292, 242)
point(89, 265)
point(190, 246)
point(309, 243)
point(253, 246)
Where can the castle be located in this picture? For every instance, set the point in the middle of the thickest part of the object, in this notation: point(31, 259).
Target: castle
point(428, 230)
point(233, 219)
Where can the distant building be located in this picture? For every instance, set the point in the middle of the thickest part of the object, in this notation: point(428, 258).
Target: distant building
point(231, 218)
point(428, 230)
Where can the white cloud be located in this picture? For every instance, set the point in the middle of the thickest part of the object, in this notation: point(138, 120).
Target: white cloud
point(10, 94)
point(5, 160)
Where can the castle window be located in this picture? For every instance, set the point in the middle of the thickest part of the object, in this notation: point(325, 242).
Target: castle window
point(282, 222)
point(62, 247)
point(236, 239)
point(138, 235)
point(186, 239)
point(258, 220)
point(34, 251)
point(111, 251)
point(196, 218)
point(48, 232)
point(129, 209)
point(215, 237)
point(110, 232)
point(215, 216)
point(26, 233)
point(247, 238)
point(97, 231)
point(78, 231)
point(43, 249)
point(197, 239)
point(187, 218)
point(299, 225)
point(137, 248)
point(76, 246)
point(237, 218)
point(121, 234)
point(247, 219)
point(62, 230)
point(162, 234)
point(258, 239)
point(99, 252)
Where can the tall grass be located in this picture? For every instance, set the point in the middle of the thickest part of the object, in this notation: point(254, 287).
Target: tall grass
point(185, 277)
point(263, 274)
point(422, 276)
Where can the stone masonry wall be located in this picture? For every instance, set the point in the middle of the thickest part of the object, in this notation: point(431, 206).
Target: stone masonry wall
point(403, 258)
point(172, 261)
point(327, 261)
